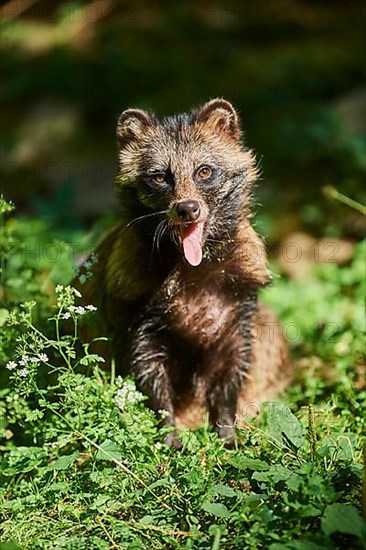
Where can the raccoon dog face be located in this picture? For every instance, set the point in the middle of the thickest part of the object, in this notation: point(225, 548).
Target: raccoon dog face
point(190, 168)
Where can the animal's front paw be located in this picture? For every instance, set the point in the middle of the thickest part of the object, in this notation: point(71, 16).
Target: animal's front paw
point(173, 440)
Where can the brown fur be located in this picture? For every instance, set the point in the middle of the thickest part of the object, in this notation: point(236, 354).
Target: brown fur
point(191, 328)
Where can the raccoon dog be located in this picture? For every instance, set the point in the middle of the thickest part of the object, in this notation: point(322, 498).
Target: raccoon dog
point(176, 280)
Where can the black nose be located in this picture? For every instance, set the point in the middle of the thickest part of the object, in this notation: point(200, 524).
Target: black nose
point(188, 211)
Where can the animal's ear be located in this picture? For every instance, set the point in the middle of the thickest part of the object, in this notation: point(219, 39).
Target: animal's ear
point(220, 117)
point(132, 124)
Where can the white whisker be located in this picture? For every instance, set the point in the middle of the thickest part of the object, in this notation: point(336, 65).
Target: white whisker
point(140, 218)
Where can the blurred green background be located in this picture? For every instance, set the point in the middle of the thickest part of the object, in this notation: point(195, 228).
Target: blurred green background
point(294, 69)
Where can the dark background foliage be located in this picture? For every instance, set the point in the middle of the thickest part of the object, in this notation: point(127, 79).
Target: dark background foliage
point(294, 69)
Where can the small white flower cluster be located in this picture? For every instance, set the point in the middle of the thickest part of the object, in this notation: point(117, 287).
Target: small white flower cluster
point(86, 274)
point(24, 361)
point(60, 289)
point(66, 295)
point(163, 413)
point(127, 394)
point(92, 260)
point(77, 310)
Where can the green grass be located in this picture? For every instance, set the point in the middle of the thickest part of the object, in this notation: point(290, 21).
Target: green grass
point(82, 460)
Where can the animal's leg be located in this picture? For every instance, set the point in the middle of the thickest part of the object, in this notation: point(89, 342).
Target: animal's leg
point(229, 360)
point(150, 361)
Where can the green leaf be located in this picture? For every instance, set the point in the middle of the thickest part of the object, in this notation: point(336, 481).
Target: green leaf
point(146, 520)
point(33, 415)
point(58, 486)
point(215, 531)
point(261, 476)
point(341, 448)
point(308, 510)
point(99, 502)
point(343, 518)
point(216, 509)
point(4, 314)
point(224, 491)
point(346, 446)
point(294, 481)
point(280, 473)
point(91, 358)
point(63, 462)
point(284, 426)
point(160, 483)
point(277, 473)
point(244, 463)
point(22, 460)
point(109, 450)
point(254, 500)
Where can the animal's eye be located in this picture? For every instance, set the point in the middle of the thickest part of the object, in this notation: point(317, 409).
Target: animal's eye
point(204, 172)
point(159, 178)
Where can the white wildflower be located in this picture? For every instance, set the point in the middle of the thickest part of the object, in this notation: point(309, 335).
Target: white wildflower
point(24, 360)
point(11, 365)
point(59, 288)
point(66, 315)
point(127, 394)
point(43, 357)
point(91, 308)
point(119, 381)
point(23, 373)
point(79, 310)
point(93, 258)
point(76, 292)
point(163, 413)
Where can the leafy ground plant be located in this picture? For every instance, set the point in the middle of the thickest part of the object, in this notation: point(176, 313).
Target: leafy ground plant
point(82, 460)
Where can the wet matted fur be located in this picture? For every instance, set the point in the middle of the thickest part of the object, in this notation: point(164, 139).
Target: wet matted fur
point(176, 280)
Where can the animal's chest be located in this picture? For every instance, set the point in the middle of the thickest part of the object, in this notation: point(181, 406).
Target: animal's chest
point(199, 310)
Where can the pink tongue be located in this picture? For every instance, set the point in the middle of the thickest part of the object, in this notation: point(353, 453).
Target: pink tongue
point(191, 236)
